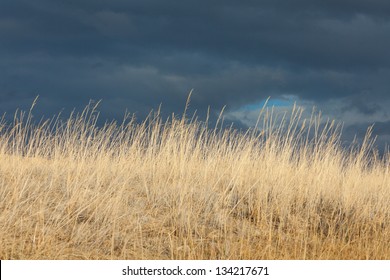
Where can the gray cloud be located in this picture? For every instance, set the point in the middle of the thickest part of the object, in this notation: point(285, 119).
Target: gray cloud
point(138, 54)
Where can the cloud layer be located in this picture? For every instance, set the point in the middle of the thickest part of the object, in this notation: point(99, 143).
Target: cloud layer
point(137, 54)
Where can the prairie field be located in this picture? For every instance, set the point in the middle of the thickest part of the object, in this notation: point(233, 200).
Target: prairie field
point(181, 188)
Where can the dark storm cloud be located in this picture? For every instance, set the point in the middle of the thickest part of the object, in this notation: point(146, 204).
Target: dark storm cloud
point(138, 54)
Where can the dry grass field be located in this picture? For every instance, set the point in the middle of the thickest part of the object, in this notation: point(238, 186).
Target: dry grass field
point(180, 189)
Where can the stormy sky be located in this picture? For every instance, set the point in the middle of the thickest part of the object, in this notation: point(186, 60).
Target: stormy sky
point(135, 55)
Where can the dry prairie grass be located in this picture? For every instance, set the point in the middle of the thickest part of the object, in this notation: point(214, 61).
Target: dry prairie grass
point(178, 189)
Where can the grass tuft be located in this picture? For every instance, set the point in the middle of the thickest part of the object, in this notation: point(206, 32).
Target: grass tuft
point(179, 189)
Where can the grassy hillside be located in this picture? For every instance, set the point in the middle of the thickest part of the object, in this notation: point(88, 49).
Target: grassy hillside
point(179, 189)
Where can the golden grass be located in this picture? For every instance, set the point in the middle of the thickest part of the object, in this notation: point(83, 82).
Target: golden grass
point(179, 189)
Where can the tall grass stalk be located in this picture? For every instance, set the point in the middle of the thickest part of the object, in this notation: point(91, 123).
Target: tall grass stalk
point(179, 189)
